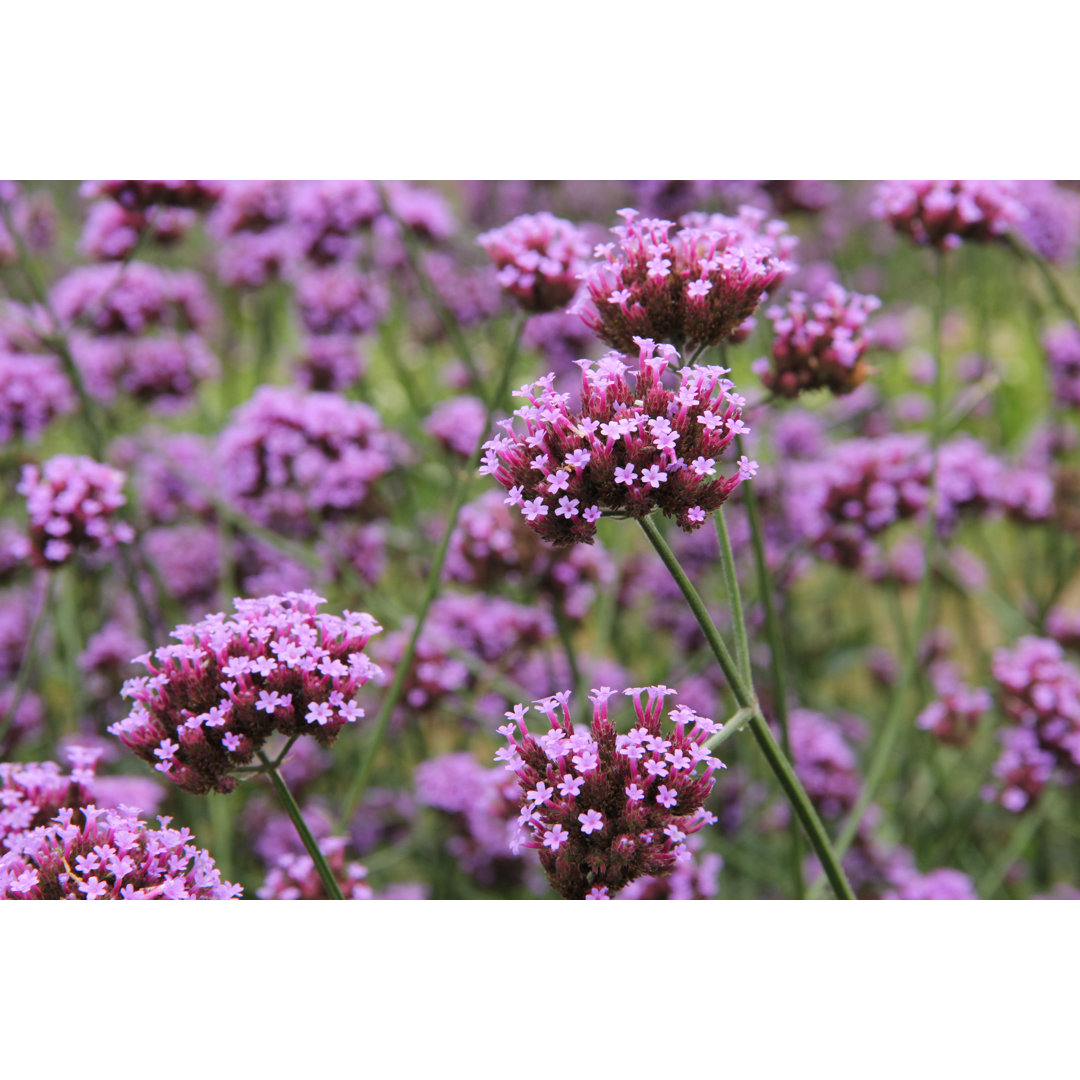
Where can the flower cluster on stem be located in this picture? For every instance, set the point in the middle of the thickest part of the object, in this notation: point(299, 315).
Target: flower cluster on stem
point(945, 213)
point(276, 665)
point(818, 344)
point(601, 808)
point(693, 289)
point(1041, 696)
point(630, 450)
point(72, 503)
point(539, 258)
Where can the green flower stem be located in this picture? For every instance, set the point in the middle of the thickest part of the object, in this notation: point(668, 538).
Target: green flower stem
point(388, 344)
point(1021, 838)
point(731, 584)
point(744, 695)
point(293, 810)
point(732, 726)
point(26, 663)
point(898, 712)
point(431, 590)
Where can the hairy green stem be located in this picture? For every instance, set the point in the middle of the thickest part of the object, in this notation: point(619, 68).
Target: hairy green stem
point(744, 695)
point(333, 890)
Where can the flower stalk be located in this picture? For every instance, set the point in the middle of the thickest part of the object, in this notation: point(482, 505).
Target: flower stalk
point(326, 875)
point(744, 695)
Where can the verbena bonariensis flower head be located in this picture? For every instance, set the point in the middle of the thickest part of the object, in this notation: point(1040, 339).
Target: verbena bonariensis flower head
point(1040, 693)
point(603, 809)
point(72, 504)
point(340, 300)
point(458, 424)
point(940, 884)
point(1052, 222)
point(944, 213)
point(33, 390)
point(465, 637)
point(824, 762)
point(539, 258)
point(1062, 345)
point(92, 853)
point(174, 475)
point(112, 233)
point(132, 298)
point(482, 807)
point(818, 343)
point(491, 546)
point(954, 715)
point(31, 793)
point(142, 194)
point(690, 290)
point(163, 371)
point(629, 451)
point(288, 457)
point(330, 362)
point(294, 876)
point(863, 486)
point(211, 701)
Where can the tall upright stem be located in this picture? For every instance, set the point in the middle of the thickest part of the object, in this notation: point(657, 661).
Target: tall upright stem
point(744, 695)
point(333, 890)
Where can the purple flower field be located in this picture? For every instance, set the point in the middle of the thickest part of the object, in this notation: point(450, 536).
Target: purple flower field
point(605, 540)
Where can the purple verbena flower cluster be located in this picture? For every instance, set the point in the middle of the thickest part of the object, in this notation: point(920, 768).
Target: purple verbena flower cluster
point(1040, 693)
point(72, 504)
point(603, 809)
point(111, 855)
point(131, 299)
point(294, 877)
point(945, 213)
point(824, 762)
point(276, 665)
point(33, 391)
point(629, 451)
point(482, 808)
point(539, 258)
point(955, 714)
point(140, 195)
point(691, 290)
point(458, 424)
point(818, 344)
point(491, 546)
point(1062, 345)
point(289, 459)
point(462, 632)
